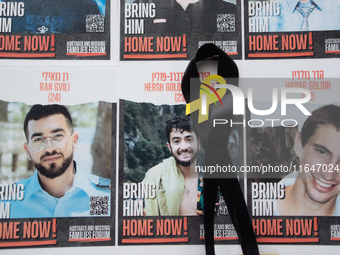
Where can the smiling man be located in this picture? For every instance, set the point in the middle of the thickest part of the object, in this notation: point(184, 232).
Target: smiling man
point(177, 184)
point(314, 189)
point(57, 188)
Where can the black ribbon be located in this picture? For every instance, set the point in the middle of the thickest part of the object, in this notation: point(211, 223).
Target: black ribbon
point(215, 142)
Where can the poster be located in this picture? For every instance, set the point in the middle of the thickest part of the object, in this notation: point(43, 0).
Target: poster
point(148, 68)
point(280, 29)
point(55, 30)
point(152, 172)
point(168, 30)
point(78, 201)
point(293, 167)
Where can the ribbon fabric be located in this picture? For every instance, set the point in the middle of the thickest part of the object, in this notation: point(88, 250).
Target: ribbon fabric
point(215, 142)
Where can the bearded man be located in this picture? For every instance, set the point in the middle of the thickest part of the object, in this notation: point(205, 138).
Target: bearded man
point(57, 188)
point(178, 184)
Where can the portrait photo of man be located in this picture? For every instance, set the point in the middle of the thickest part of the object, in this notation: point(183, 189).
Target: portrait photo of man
point(48, 16)
point(57, 188)
point(175, 178)
point(314, 188)
point(164, 161)
point(306, 15)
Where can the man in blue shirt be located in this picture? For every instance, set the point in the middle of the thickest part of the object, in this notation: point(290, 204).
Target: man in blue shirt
point(306, 15)
point(50, 16)
point(57, 189)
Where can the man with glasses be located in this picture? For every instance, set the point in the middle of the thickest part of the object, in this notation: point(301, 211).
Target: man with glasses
point(57, 188)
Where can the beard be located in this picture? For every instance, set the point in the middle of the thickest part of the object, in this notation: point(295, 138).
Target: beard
point(186, 163)
point(53, 171)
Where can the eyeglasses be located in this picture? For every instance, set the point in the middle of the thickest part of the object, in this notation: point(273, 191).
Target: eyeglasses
point(39, 143)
